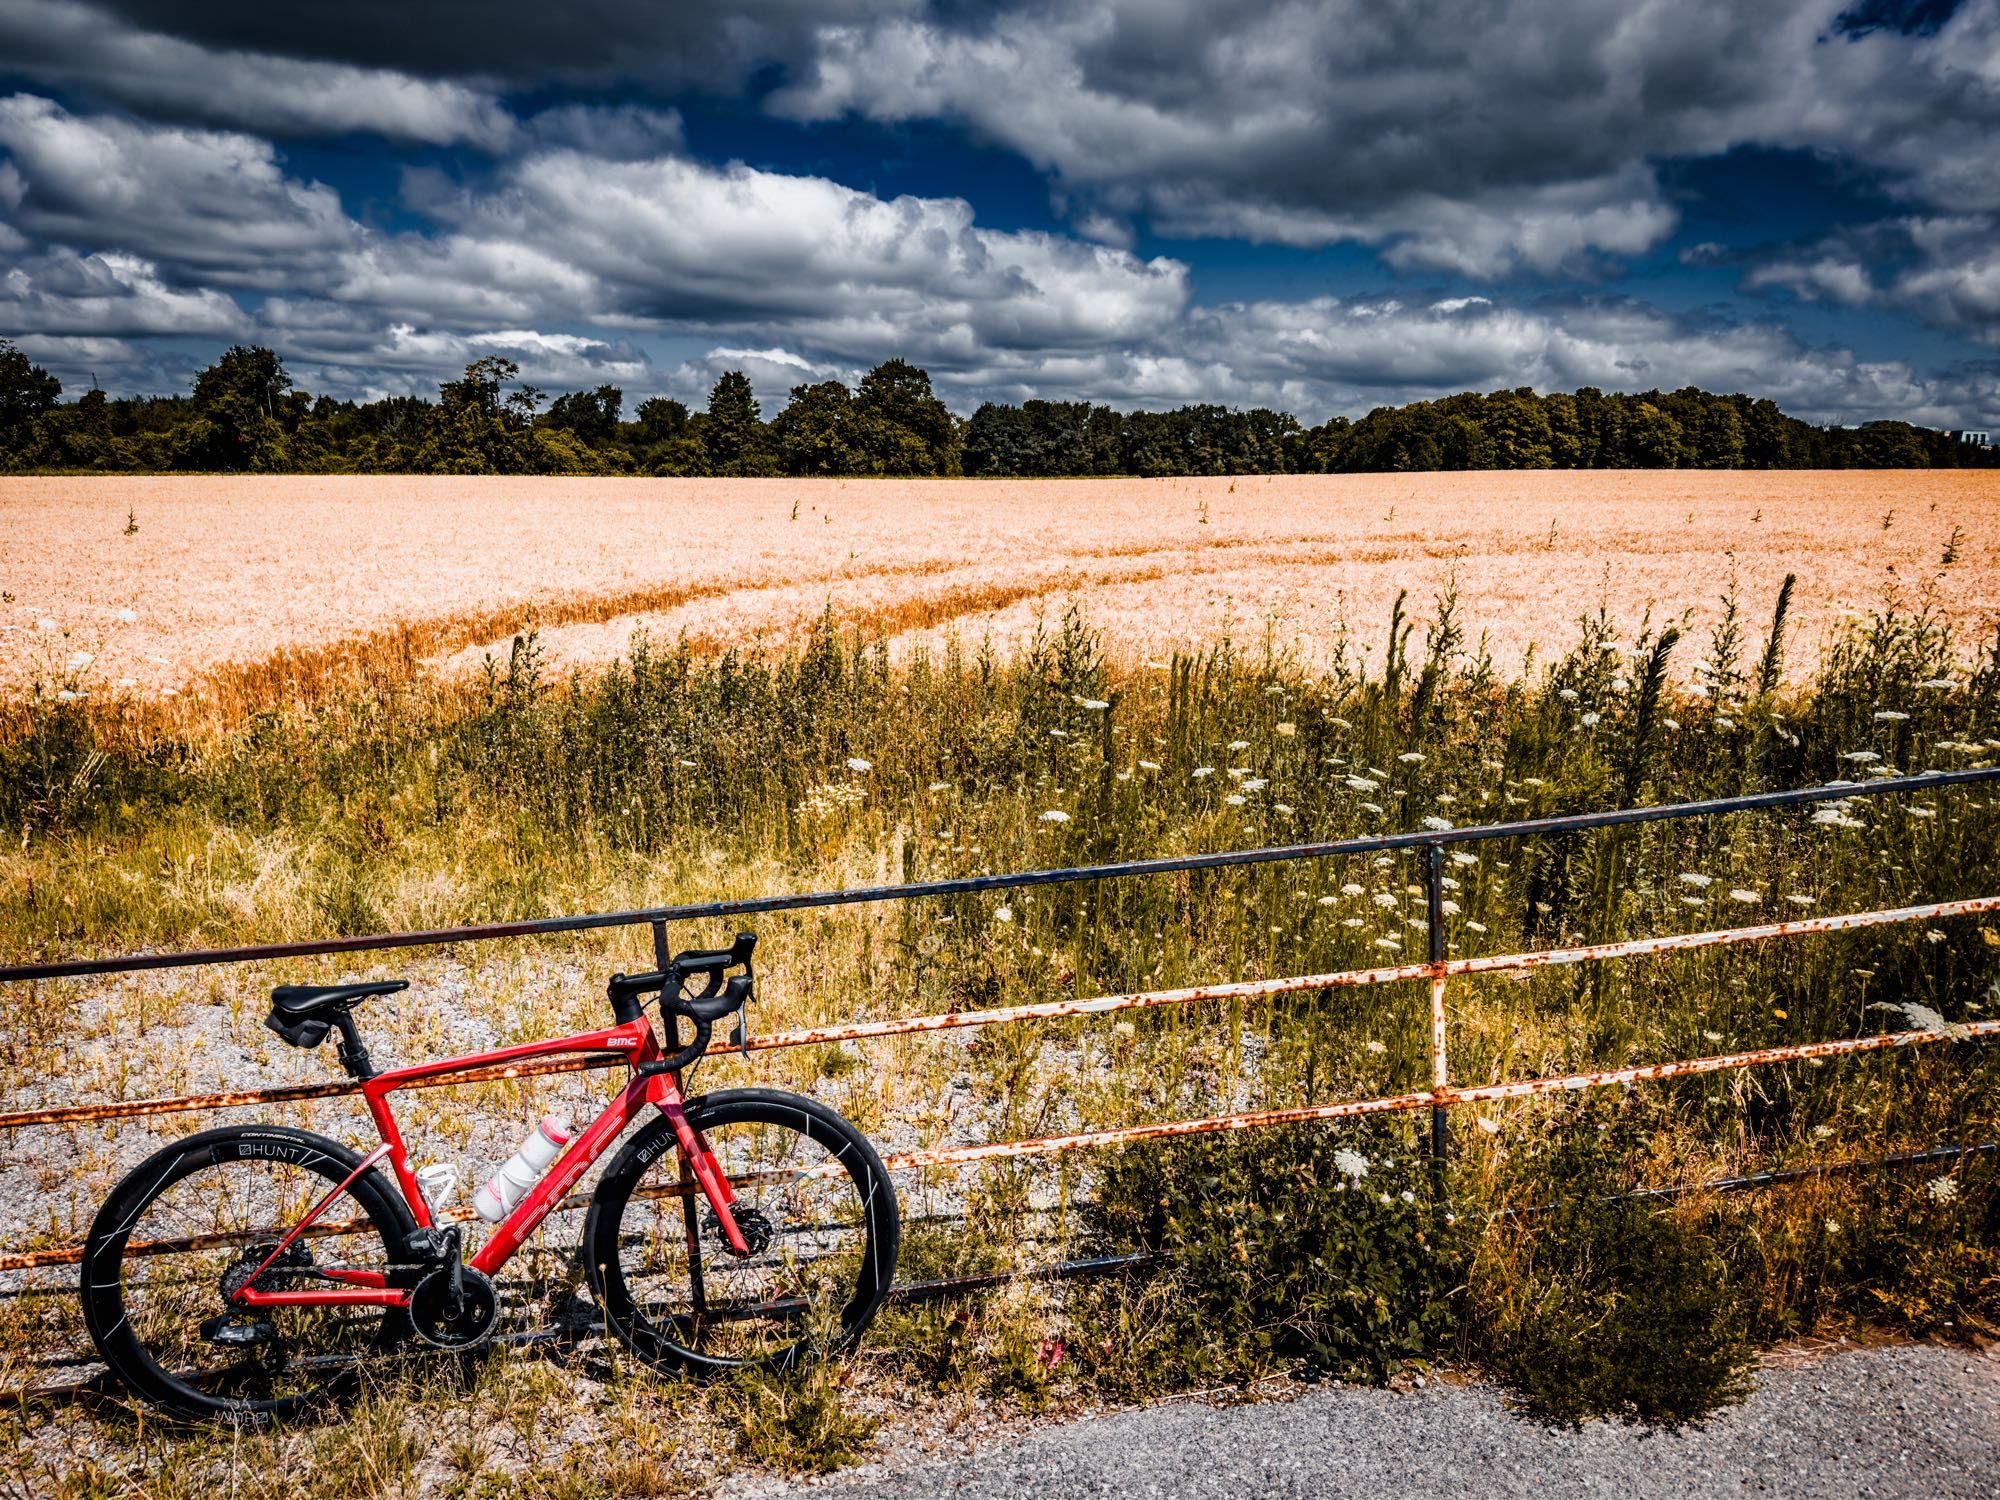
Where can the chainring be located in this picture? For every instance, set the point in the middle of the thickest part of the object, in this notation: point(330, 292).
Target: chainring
point(468, 1326)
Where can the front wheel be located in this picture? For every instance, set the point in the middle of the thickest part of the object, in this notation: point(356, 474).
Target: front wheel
point(815, 1207)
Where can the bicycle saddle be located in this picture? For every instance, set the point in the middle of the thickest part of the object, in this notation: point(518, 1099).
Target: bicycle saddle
point(296, 1002)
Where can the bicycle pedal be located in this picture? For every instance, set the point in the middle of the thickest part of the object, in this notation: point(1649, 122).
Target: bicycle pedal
point(232, 1332)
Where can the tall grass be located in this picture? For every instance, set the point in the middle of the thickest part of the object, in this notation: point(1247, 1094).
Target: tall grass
point(677, 775)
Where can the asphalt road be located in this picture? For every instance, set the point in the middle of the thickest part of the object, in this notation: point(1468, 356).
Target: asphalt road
point(1859, 1425)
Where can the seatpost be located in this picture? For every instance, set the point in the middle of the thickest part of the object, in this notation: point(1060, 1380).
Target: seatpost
point(353, 1055)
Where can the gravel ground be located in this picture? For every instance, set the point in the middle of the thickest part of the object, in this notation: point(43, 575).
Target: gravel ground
point(1860, 1425)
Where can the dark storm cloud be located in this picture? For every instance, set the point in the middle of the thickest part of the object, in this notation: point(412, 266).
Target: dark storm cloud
point(145, 191)
point(514, 41)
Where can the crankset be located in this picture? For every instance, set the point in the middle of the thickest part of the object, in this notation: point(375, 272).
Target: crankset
point(454, 1307)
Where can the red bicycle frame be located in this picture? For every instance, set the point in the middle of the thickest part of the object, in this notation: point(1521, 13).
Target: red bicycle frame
point(634, 1040)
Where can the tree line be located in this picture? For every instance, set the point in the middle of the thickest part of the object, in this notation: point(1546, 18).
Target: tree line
point(244, 414)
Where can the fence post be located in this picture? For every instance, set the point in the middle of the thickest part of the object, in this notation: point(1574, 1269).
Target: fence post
point(1434, 927)
point(660, 954)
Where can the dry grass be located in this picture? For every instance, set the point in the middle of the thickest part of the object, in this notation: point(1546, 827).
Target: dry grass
point(248, 592)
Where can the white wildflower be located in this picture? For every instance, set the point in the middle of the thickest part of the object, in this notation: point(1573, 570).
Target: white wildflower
point(1568, 695)
point(1375, 1046)
point(1460, 857)
point(1389, 941)
point(1933, 935)
point(940, 786)
point(1352, 922)
point(1488, 1124)
point(1411, 757)
point(1149, 765)
point(1700, 881)
point(1860, 757)
point(1799, 900)
point(67, 696)
point(1283, 809)
point(1449, 908)
point(79, 660)
point(1407, 1196)
point(1619, 684)
point(1476, 926)
point(1235, 745)
point(1255, 784)
point(1055, 815)
point(1712, 1036)
point(1201, 771)
point(1288, 729)
point(1821, 1132)
point(1937, 682)
point(1373, 807)
point(1889, 716)
point(856, 763)
point(1362, 784)
point(1329, 901)
point(1747, 897)
point(1234, 799)
point(1095, 705)
point(1003, 914)
point(1671, 723)
point(1351, 889)
point(1942, 1189)
point(1722, 721)
point(1833, 1226)
point(1592, 720)
point(1921, 812)
point(1351, 1164)
point(1385, 899)
point(1437, 824)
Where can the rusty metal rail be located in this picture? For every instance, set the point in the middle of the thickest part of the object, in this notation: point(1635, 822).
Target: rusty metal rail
point(1437, 969)
point(971, 884)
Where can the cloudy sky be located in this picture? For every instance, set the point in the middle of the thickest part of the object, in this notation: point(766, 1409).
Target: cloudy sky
point(1318, 206)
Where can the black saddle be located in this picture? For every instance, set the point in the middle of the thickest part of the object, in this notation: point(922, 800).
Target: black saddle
point(303, 1013)
point(295, 1002)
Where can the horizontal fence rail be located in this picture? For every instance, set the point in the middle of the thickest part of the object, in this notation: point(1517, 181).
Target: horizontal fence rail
point(1436, 968)
point(972, 884)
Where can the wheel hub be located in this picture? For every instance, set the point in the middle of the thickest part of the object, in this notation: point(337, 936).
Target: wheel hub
point(754, 1224)
point(239, 1272)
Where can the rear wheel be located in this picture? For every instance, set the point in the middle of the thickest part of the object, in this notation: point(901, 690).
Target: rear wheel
point(815, 1207)
point(185, 1230)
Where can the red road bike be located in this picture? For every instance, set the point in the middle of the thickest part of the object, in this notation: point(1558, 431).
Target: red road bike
point(253, 1272)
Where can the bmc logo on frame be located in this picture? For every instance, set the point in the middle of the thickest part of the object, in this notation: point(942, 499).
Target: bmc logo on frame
point(622, 1041)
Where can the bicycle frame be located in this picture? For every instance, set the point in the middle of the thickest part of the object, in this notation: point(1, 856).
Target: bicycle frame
point(634, 1040)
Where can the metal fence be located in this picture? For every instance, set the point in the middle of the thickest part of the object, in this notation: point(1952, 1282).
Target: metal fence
point(1437, 970)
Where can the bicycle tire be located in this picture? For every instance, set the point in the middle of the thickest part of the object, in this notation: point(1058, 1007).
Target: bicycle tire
point(856, 1267)
point(115, 1297)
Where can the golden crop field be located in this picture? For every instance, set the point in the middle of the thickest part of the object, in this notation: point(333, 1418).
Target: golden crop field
point(264, 586)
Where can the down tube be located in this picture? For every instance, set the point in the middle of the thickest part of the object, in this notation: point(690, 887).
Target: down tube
point(550, 1191)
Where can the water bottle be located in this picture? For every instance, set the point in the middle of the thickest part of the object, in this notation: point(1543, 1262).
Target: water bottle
point(508, 1186)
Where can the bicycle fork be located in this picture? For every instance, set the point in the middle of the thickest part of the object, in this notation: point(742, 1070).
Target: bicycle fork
point(664, 1091)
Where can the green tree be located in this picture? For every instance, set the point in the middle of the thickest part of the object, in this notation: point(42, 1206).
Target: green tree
point(815, 430)
point(591, 415)
point(900, 427)
point(476, 430)
point(733, 439)
point(26, 392)
point(238, 415)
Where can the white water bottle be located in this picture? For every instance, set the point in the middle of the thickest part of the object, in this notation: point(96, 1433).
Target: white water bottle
point(508, 1186)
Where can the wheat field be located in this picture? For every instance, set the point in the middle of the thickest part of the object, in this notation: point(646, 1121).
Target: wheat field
point(257, 590)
